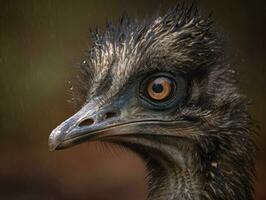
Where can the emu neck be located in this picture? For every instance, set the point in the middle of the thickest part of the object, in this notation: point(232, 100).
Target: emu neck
point(171, 171)
point(171, 178)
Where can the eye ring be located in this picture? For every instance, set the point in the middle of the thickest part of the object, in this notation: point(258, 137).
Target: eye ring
point(163, 90)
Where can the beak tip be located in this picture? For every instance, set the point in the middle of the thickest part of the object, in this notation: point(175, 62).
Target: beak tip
point(53, 141)
point(52, 147)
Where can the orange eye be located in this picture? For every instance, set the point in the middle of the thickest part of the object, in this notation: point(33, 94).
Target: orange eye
point(160, 88)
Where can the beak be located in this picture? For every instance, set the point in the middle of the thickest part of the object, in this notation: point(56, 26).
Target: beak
point(86, 124)
point(93, 122)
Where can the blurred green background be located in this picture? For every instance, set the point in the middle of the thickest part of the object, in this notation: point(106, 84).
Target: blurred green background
point(41, 41)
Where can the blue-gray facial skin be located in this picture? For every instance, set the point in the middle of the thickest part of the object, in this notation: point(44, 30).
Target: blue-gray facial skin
point(193, 129)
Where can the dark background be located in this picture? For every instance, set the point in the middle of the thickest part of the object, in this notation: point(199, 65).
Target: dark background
point(41, 41)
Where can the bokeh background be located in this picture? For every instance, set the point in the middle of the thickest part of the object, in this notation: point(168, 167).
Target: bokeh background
point(41, 42)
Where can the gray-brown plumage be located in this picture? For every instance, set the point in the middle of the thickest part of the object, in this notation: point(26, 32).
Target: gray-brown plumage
point(163, 90)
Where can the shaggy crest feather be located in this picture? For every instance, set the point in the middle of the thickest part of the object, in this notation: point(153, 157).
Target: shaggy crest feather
point(126, 48)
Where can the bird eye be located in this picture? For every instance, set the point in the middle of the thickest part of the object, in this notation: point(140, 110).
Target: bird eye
point(162, 90)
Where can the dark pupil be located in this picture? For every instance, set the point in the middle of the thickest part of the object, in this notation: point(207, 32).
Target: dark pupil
point(157, 87)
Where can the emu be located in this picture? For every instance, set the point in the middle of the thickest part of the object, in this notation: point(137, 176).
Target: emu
point(164, 89)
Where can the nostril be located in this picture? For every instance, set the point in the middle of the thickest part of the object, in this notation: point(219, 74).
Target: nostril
point(87, 122)
point(109, 115)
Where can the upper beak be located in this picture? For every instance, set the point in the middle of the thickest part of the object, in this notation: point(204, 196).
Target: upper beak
point(87, 124)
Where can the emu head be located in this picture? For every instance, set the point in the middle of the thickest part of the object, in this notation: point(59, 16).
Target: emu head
point(162, 89)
